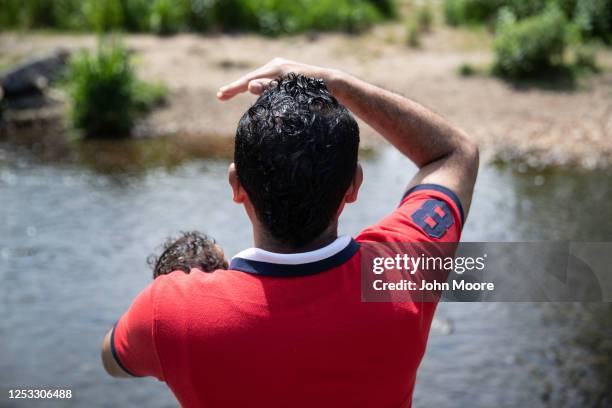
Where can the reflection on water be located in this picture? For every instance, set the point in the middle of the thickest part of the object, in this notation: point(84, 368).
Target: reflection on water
point(133, 156)
point(581, 352)
point(563, 204)
point(79, 218)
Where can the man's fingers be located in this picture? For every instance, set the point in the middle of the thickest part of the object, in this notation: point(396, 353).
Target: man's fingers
point(257, 86)
point(242, 85)
point(230, 90)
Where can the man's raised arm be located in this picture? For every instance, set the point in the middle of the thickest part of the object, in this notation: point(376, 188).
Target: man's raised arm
point(443, 153)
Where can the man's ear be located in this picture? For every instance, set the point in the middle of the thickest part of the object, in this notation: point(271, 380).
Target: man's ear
point(238, 193)
point(353, 190)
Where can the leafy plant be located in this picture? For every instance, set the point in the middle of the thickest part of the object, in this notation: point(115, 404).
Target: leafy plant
point(271, 17)
point(386, 7)
point(107, 98)
point(136, 15)
point(585, 57)
point(454, 12)
point(466, 69)
point(413, 35)
point(166, 17)
point(103, 15)
point(199, 14)
point(594, 18)
point(424, 17)
point(274, 17)
point(532, 45)
point(457, 12)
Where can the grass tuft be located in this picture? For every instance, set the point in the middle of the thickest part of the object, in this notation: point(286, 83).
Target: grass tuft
point(106, 96)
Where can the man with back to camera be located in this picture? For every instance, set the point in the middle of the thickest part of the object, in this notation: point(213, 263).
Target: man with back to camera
point(285, 324)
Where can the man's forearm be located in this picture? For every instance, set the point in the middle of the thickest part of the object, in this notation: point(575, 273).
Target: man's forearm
point(417, 132)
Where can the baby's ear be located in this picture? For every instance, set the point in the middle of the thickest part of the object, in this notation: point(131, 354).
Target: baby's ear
point(221, 255)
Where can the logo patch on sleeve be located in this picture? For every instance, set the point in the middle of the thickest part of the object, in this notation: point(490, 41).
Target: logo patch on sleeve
point(434, 217)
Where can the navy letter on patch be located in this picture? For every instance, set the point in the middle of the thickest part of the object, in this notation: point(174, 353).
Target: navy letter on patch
point(434, 217)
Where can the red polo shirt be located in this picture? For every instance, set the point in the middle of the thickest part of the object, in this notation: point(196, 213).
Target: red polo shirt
point(289, 330)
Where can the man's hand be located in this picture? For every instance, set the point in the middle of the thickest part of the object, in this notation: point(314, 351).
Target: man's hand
point(256, 81)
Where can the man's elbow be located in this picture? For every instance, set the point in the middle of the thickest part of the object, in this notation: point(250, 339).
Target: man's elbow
point(469, 153)
point(108, 360)
point(108, 367)
point(111, 367)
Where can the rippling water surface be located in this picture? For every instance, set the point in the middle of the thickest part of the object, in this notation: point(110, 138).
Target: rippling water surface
point(78, 220)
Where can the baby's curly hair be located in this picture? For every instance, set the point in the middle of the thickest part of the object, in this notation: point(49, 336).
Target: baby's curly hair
point(190, 250)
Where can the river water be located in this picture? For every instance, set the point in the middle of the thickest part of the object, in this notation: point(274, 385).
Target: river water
point(78, 219)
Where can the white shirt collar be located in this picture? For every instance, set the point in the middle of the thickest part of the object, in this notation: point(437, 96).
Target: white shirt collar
point(261, 255)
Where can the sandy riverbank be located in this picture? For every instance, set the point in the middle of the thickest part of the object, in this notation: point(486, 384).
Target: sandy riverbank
point(531, 124)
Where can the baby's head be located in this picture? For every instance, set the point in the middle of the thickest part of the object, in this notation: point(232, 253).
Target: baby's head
point(191, 250)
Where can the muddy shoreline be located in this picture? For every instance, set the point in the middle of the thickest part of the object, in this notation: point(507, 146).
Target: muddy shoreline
point(539, 126)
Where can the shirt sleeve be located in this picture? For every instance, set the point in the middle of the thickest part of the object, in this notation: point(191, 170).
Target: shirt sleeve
point(427, 213)
point(133, 338)
point(427, 223)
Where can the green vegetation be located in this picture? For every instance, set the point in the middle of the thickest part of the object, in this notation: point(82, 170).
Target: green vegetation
point(165, 17)
point(103, 15)
point(530, 46)
point(458, 12)
point(105, 94)
point(532, 37)
point(585, 57)
point(385, 7)
point(419, 21)
point(413, 35)
point(424, 17)
point(466, 69)
point(272, 17)
point(592, 17)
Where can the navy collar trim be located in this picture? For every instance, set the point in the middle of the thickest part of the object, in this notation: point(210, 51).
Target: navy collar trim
point(291, 270)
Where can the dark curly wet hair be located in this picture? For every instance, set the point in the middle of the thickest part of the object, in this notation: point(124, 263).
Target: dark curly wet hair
point(191, 250)
point(295, 154)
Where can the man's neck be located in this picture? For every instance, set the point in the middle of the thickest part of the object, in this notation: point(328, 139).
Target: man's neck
point(264, 241)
